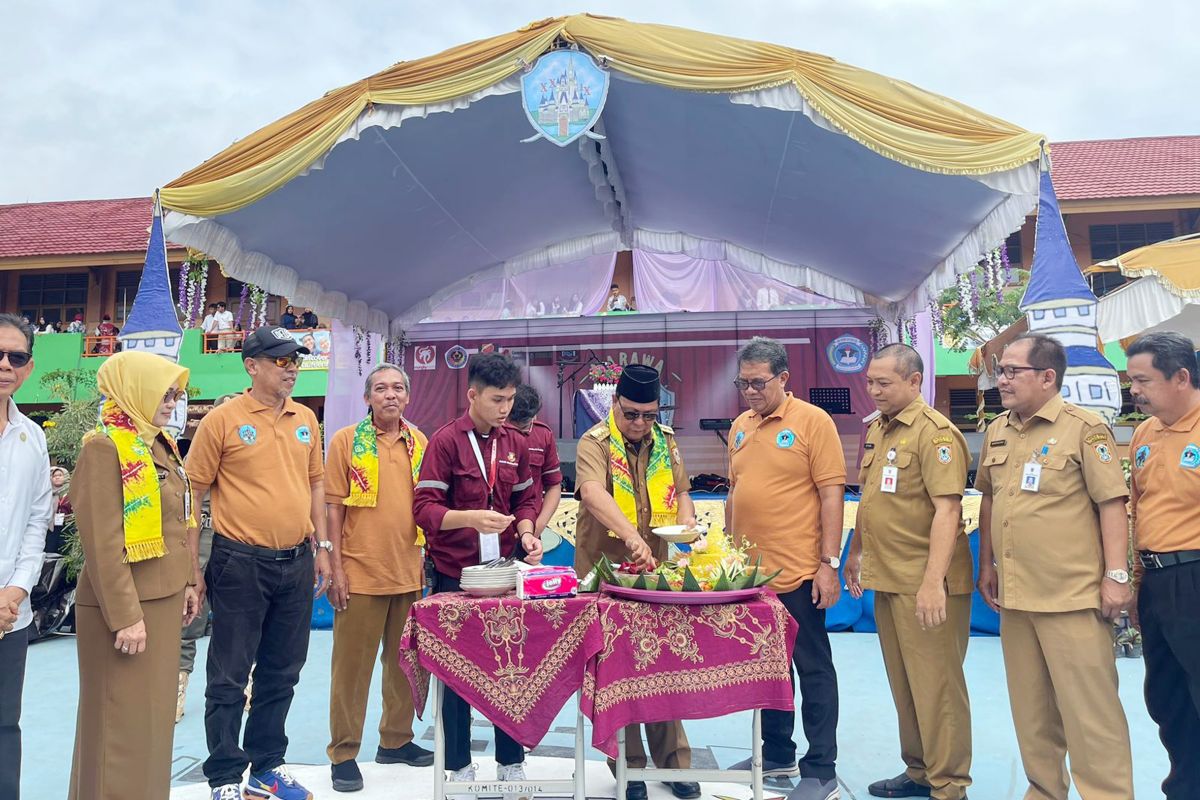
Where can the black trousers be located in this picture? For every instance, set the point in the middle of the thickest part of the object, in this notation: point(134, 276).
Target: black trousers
point(261, 615)
point(456, 714)
point(812, 660)
point(1169, 609)
point(13, 648)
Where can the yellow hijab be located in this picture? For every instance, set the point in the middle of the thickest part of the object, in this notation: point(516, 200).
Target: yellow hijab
point(137, 381)
point(134, 384)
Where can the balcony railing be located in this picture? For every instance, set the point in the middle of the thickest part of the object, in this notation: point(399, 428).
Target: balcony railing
point(100, 346)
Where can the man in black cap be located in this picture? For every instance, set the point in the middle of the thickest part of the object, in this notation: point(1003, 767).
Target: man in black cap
point(260, 456)
point(618, 510)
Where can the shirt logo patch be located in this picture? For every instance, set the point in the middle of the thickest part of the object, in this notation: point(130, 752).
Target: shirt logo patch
point(785, 439)
point(1103, 453)
point(304, 434)
point(1139, 458)
point(1190, 458)
point(738, 439)
point(945, 454)
point(248, 434)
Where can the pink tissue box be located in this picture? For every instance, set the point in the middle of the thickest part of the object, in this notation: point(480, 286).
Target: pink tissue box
point(542, 583)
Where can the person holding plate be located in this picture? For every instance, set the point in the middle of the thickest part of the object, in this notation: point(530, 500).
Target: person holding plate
point(631, 480)
point(788, 476)
point(910, 549)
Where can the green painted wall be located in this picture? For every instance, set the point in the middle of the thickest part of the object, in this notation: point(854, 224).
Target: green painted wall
point(951, 363)
point(212, 374)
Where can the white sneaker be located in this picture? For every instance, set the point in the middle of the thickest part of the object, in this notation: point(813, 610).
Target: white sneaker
point(464, 775)
point(230, 791)
point(514, 773)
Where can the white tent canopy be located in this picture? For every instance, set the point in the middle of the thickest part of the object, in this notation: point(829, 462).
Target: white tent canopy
point(414, 202)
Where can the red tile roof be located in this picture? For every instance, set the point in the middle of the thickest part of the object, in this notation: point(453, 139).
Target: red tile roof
point(75, 227)
point(1145, 167)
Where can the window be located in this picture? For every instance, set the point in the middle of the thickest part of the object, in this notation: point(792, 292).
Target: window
point(1039, 314)
point(964, 406)
point(1066, 392)
point(1110, 241)
point(1013, 246)
point(1060, 313)
point(57, 297)
point(1085, 311)
point(1096, 391)
point(127, 286)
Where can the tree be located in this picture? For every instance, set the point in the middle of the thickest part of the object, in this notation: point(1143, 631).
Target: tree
point(993, 311)
point(81, 406)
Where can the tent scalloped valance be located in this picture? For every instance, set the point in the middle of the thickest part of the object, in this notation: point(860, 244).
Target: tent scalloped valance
point(890, 117)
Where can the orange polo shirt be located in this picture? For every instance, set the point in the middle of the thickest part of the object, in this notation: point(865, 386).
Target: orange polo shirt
point(260, 469)
point(379, 545)
point(1166, 484)
point(777, 464)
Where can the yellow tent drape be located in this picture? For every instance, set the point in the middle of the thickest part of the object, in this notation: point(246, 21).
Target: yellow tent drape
point(1175, 263)
point(892, 118)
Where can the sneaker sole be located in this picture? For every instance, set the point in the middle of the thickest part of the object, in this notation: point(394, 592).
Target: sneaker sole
point(347, 786)
point(263, 794)
point(424, 762)
point(794, 772)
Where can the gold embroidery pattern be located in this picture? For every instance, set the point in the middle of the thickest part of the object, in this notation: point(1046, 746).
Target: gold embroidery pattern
point(553, 611)
point(453, 613)
point(504, 631)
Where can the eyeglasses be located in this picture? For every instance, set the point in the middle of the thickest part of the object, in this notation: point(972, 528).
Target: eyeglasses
point(1010, 371)
point(283, 362)
point(757, 384)
point(631, 416)
point(16, 358)
point(173, 395)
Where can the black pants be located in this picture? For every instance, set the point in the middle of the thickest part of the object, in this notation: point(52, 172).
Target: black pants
point(261, 615)
point(812, 660)
point(1169, 608)
point(456, 714)
point(13, 648)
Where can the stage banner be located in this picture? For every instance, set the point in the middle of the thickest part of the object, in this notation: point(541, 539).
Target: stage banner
point(320, 346)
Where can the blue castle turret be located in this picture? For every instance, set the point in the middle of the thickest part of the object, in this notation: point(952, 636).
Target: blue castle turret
point(1059, 303)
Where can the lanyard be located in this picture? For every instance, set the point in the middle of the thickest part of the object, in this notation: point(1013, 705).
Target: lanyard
point(488, 477)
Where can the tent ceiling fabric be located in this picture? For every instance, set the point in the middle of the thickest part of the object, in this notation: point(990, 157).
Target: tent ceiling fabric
point(858, 187)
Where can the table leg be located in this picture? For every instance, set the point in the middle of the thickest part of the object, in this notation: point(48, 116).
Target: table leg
point(756, 759)
point(439, 742)
point(622, 779)
point(580, 753)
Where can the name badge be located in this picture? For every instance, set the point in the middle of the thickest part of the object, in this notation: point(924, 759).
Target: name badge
point(59, 519)
point(891, 476)
point(1031, 478)
point(489, 547)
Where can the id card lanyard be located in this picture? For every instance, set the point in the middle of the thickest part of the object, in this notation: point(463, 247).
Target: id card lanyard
point(1031, 478)
point(891, 474)
point(489, 543)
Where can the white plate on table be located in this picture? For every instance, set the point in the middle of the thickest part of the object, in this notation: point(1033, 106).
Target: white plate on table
point(483, 591)
point(679, 534)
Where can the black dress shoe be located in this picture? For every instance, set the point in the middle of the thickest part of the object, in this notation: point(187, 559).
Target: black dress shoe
point(412, 754)
point(899, 786)
point(684, 791)
point(635, 790)
point(346, 777)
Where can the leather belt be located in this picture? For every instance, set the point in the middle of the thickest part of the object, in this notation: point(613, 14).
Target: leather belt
point(1152, 560)
point(264, 553)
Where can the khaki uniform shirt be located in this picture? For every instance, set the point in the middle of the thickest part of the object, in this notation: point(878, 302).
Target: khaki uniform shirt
point(592, 464)
point(777, 464)
point(379, 549)
point(260, 468)
point(1166, 484)
point(1047, 543)
point(930, 456)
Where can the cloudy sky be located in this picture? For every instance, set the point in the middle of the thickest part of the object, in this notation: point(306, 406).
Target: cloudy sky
point(111, 99)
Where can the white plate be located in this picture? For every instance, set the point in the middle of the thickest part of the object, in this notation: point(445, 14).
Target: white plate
point(480, 591)
point(680, 534)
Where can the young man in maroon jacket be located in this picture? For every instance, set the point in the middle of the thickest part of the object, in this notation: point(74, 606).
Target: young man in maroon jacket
point(544, 466)
point(474, 500)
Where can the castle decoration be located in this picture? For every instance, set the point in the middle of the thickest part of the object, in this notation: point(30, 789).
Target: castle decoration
point(563, 94)
point(1059, 303)
point(153, 326)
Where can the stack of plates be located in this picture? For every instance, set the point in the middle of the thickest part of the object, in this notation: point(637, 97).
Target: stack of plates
point(489, 581)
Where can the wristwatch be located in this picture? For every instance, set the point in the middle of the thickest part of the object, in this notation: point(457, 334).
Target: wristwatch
point(832, 561)
point(325, 545)
point(1118, 575)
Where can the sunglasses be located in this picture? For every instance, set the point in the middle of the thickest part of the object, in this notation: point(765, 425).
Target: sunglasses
point(174, 395)
point(283, 362)
point(631, 416)
point(16, 358)
point(757, 384)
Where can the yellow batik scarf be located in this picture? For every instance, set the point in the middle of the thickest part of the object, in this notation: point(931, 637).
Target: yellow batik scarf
point(660, 479)
point(140, 491)
point(364, 465)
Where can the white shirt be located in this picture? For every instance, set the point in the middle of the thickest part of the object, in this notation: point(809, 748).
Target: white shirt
point(223, 321)
point(618, 303)
point(26, 505)
point(207, 325)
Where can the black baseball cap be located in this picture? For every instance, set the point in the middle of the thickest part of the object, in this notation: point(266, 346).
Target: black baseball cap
point(272, 342)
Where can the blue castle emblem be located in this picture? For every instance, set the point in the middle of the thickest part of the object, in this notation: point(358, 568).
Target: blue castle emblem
point(563, 94)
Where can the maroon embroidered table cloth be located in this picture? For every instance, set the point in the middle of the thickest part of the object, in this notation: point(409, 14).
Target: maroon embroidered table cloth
point(517, 662)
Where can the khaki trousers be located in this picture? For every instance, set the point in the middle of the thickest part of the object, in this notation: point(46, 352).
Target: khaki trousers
point(925, 670)
point(1062, 686)
point(668, 746)
point(368, 621)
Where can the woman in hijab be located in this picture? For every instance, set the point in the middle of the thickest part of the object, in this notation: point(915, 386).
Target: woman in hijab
point(132, 504)
point(60, 484)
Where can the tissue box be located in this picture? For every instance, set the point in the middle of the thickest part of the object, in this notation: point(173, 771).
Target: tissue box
point(543, 583)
